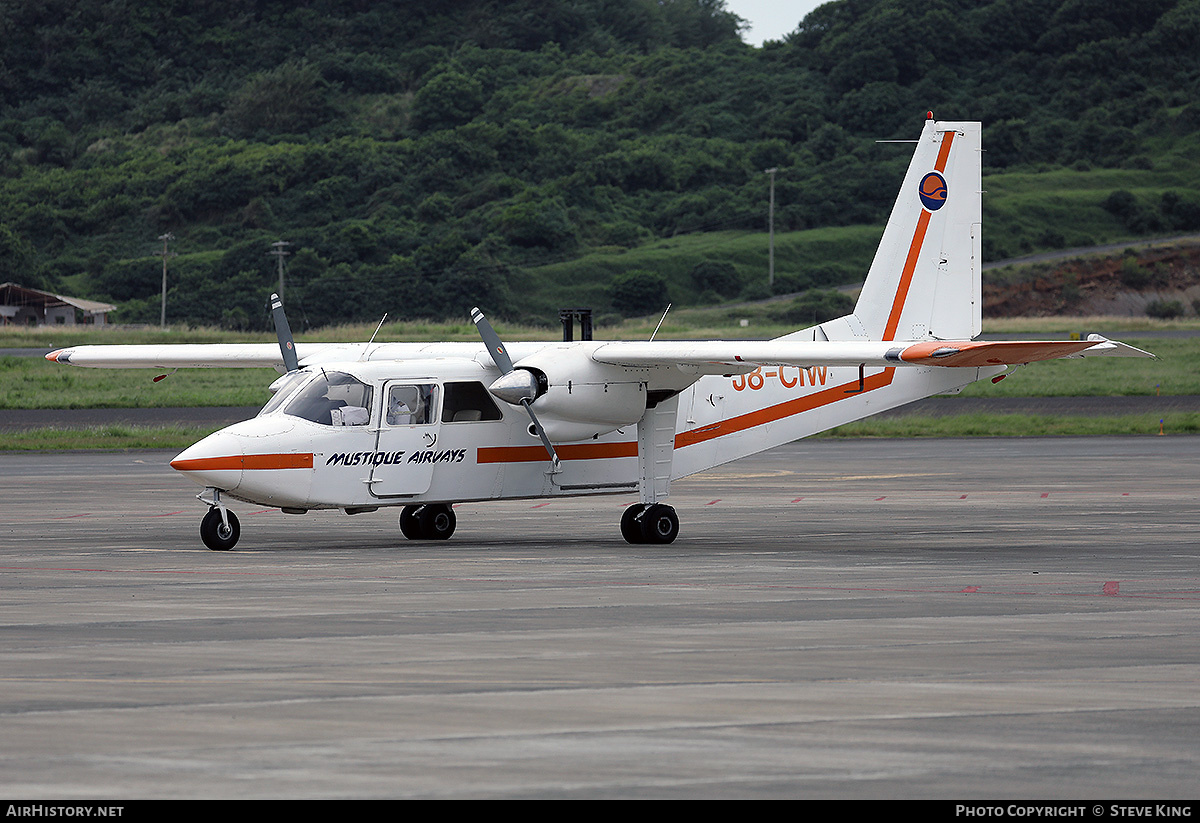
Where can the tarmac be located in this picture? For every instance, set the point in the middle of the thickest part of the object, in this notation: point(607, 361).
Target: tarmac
point(968, 619)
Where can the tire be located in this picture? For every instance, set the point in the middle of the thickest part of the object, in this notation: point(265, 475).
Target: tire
point(631, 527)
point(214, 533)
point(659, 524)
point(437, 522)
point(409, 526)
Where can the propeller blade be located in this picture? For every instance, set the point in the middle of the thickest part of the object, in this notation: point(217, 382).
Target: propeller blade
point(492, 341)
point(519, 388)
point(537, 424)
point(287, 346)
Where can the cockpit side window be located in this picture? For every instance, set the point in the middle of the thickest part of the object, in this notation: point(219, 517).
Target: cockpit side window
point(333, 399)
point(411, 405)
point(468, 402)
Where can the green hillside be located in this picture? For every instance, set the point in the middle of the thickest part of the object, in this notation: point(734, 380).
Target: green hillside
point(530, 154)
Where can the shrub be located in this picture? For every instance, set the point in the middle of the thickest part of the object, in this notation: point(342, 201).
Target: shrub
point(1165, 309)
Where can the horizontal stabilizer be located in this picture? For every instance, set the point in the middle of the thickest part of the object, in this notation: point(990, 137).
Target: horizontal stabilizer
point(734, 356)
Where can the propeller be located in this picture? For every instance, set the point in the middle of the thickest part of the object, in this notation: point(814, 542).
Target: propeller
point(284, 332)
point(515, 386)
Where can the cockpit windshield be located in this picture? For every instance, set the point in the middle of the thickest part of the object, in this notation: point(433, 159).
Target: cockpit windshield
point(284, 388)
point(332, 399)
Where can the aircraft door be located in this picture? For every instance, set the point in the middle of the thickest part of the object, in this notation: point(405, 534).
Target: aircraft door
point(407, 439)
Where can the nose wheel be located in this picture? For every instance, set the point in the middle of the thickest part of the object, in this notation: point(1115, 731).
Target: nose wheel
point(220, 529)
point(433, 521)
point(649, 523)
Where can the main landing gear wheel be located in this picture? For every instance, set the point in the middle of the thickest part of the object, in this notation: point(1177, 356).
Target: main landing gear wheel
point(649, 523)
point(215, 534)
point(434, 521)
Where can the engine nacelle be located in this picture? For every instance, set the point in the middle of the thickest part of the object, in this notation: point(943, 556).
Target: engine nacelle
point(584, 398)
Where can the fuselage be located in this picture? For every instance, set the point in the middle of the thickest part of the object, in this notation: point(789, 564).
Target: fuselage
point(365, 434)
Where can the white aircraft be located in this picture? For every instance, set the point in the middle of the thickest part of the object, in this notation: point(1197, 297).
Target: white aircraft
point(360, 426)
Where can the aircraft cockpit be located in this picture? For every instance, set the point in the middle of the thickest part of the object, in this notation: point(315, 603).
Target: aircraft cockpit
point(330, 398)
point(337, 398)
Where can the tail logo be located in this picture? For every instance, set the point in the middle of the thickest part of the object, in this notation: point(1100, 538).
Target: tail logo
point(933, 191)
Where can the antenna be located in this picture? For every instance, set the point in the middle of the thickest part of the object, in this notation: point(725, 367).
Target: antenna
point(372, 340)
point(660, 321)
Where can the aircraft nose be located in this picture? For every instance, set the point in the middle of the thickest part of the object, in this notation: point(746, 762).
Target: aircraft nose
point(215, 461)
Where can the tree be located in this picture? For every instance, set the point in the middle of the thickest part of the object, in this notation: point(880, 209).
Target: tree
point(450, 98)
point(638, 292)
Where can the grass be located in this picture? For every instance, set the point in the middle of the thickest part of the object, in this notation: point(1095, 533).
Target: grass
point(1173, 373)
point(33, 383)
point(1017, 425)
point(111, 437)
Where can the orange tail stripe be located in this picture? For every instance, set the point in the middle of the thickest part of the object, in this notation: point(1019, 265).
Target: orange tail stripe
point(944, 151)
point(910, 266)
point(914, 249)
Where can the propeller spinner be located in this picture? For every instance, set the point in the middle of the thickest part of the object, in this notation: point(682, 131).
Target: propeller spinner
point(515, 386)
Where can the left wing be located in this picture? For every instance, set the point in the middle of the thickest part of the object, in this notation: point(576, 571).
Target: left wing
point(198, 355)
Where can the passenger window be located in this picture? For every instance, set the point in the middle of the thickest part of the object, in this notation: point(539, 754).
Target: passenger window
point(468, 402)
point(333, 399)
point(411, 405)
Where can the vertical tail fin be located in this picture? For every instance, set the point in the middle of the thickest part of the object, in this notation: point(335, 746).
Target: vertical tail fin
point(924, 282)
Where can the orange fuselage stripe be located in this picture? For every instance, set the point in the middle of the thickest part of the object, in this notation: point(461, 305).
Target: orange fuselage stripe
point(249, 462)
point(788, 408)
point(533, 454)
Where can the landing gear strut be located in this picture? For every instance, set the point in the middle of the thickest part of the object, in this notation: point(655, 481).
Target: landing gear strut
point(432, 521)
point(649, 523)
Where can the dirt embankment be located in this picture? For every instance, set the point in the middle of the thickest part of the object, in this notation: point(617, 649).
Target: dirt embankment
point(1162, 281)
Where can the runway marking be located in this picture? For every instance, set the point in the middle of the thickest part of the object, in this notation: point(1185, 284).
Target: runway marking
point(881, 476)
point(724, 476)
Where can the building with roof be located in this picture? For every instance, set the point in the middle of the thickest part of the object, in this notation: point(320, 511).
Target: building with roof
point(24, 306)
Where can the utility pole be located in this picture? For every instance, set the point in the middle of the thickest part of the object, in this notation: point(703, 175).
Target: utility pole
point(771, 224)
point(165, 238)
point(279, 250)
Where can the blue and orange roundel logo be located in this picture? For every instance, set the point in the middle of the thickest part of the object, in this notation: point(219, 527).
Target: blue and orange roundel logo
point(933, 191)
